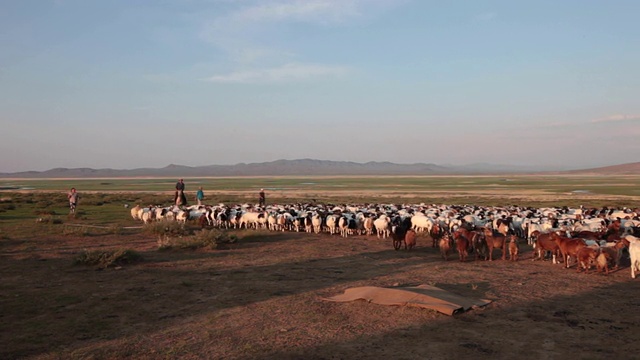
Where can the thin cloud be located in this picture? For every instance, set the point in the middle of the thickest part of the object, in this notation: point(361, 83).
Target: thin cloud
point(617, 118)
point(486, 16)
point(286, 73)
point(238, 31)
point(313, 11)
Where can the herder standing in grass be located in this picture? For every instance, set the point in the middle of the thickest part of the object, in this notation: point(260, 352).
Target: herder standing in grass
point(200, 196)
point(262, 198)
point(180, 198)
point(73, 200)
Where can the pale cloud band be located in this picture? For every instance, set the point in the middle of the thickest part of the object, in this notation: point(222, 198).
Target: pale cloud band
point(286, 73)
point(617, 117)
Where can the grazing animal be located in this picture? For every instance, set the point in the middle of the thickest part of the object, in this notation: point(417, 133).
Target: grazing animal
point(602, 262)
point(479, 245)
point(134, 212)
point(634, 254)
point(383, 226)
point(462, 245)
point(540, 228)
point(586, 256)
point(503, 226)
point(410, 239)
point(403, 234)
point(546, 242)
point(316, 224)
point(368, 225)
point(569, 247)
point(497, 241)
point(436, 234)
point(614, 251)
point(445, 245)
point(420, 222)
point(513, 248)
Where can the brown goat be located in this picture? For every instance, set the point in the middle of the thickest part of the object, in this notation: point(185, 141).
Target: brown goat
point(546, 242)
point(462, 245)
point(436, 234)
point(497, 241)
point(569, 247)
point(445, 245)
point(479, 245)
point(410, 239)
point(513, 248)
point(586, 256)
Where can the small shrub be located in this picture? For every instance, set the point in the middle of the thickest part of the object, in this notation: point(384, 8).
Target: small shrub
point(103, 259)
point(213, 238)
point(48, 219)
point(172, 228)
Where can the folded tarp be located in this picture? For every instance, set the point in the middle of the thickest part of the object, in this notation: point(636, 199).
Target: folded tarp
point(424, 296)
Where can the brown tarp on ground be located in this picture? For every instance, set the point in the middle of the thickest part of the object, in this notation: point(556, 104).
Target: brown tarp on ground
point(425, 296)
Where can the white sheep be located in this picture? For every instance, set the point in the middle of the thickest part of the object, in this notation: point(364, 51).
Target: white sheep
point(634, 254)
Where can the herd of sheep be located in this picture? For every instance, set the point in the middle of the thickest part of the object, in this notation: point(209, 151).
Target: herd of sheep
point(590, 236)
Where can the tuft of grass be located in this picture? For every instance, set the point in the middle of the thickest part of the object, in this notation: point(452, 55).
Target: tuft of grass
point(104, 259)
point(48, 219)
point(162, 228)
point(214, 239)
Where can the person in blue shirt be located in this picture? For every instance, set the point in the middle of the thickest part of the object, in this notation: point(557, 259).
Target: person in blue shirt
point(200, 195)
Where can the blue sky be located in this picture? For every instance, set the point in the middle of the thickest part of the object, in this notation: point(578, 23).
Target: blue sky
point(128, 84)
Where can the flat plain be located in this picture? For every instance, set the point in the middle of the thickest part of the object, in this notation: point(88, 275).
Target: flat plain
point(260, 297)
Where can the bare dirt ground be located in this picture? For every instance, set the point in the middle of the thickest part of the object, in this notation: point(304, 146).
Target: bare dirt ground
point(261, 299)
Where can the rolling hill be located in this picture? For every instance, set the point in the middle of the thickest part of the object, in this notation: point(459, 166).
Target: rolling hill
point(313, 167)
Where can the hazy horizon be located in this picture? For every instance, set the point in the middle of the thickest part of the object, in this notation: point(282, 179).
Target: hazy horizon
point(124, 85)
point(456, 167)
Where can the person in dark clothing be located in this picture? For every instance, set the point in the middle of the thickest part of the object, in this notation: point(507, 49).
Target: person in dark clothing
point(261, 199)
point(180, 198)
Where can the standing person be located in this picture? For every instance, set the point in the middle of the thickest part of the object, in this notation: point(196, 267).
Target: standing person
point(180, 198)
point(73, 200)
point(200, 195)
point(261, 198)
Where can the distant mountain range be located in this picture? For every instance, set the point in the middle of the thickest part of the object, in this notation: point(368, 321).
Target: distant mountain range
point(314, 167)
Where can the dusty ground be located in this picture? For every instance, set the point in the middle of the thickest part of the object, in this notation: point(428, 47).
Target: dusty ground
point(261, 299)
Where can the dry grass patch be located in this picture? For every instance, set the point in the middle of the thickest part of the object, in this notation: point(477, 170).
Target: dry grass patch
point(103, 259)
